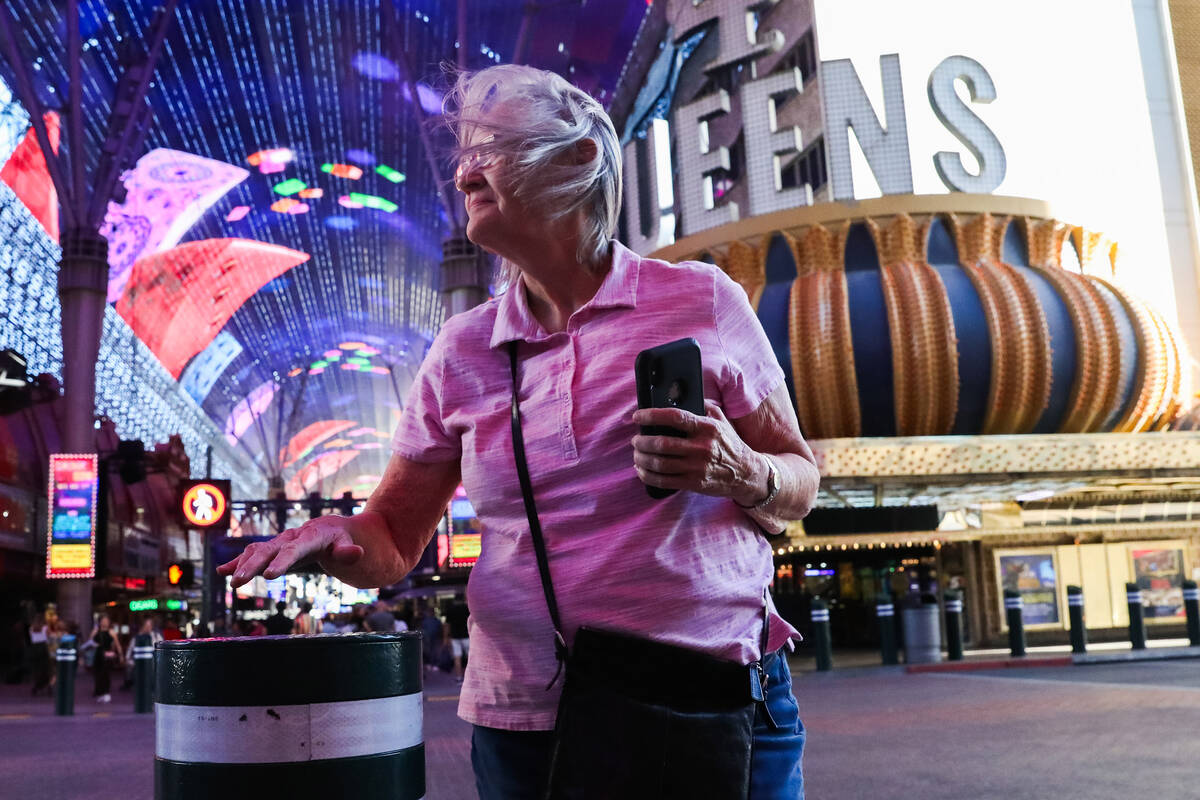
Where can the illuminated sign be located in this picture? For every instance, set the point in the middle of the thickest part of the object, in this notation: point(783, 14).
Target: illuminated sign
point(71, 544)
point(135, 584)
point(153, 604)
point(206, 503)
point(464, 549)
point(927, 103)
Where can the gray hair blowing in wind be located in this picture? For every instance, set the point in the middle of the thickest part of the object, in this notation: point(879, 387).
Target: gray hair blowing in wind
point(534, 121)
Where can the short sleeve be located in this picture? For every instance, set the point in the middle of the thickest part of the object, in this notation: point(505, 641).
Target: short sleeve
point(422, 435)
point(750, 371)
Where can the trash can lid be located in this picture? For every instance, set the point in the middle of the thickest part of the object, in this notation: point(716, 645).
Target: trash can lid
point(287, 670)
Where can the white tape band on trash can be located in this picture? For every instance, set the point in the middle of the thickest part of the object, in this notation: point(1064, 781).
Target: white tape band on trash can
point(143, 652)
point(1135, 598)
point(820, 616)
point(1191, 594)
point(885, 611)
point(64, 655)
point(954, 606)
point(278, 734)
point(1074, 599)
point(1013, 602)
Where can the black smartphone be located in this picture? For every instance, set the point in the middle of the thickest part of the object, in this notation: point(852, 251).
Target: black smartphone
point(669, 376)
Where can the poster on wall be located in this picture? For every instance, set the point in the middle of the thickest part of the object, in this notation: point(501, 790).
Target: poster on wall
point(1032, 575)
point(1158, 572)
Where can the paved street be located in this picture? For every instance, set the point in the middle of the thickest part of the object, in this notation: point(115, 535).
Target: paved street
point(1096, 732)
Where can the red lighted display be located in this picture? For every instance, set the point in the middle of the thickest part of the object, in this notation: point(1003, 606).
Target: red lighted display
point(177, 301)
point(26, 174)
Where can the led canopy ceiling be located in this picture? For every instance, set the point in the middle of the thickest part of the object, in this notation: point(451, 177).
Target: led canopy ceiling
point(165, 194)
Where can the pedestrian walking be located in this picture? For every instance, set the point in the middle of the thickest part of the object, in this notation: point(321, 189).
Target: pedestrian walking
point(107, 657)
point(39, 655)
point(279, 624)
point(457, 616)
point(656, 606)
point(380, 620)
point(304, 622)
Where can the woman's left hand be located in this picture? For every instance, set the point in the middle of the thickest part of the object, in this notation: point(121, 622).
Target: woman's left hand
point(712, 459)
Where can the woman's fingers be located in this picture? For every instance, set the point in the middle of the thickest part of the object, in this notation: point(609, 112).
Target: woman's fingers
point(327, 537)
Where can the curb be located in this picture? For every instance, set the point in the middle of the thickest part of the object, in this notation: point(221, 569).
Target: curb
point(1150, 654)
point(997, 663)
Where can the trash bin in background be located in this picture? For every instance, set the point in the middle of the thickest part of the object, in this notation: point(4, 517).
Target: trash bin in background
point(304, 716)
point(922, 630)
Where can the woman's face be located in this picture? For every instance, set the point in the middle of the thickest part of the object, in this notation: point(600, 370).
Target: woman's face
point(495, 215)
point(105, 622)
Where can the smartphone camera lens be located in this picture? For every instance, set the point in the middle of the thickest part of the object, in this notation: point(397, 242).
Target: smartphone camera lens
point(676, 392)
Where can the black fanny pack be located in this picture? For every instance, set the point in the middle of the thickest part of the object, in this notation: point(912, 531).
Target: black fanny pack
point(639, 718)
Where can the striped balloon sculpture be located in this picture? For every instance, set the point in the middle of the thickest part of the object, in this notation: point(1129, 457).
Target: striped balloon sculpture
point(959, 324)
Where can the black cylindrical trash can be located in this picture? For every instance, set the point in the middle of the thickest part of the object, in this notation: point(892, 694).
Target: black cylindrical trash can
point(922, 632)
point(326, 715)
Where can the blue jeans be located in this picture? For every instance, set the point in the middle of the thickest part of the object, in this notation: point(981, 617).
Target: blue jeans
point(513, 765)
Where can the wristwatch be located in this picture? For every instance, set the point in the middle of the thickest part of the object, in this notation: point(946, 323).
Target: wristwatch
point(772, 485)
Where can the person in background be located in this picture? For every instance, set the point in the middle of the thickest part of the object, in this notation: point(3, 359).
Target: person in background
point(431, 631)
point(147, 629)
point(108, 657)
point(358, 617)
point(380, 620)
point(56, 629)
point(170, 630)
point(39, 656)
point(460, 641)
point(402, 612)
point(304, 622)
point(279, 624)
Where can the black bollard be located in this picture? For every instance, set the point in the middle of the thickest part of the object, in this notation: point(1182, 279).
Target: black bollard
point(1137, 616)
point(954, 634)
point(64, 688)
point(822, 639)
point(347, 722)
point(1191, 604)
point(1078, 629)
point(1013, 609)
point(143, 673)
point(885, 611)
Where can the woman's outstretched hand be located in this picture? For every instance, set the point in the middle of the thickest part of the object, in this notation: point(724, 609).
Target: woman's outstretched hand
point(712, 459)
point(324, 540)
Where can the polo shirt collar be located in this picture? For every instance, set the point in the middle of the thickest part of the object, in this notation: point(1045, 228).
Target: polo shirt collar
point(515, 322)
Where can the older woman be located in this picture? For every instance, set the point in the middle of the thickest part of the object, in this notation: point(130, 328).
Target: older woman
point(540, 168)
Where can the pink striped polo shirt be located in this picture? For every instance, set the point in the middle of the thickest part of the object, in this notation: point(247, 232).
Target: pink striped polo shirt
point(688, 570)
